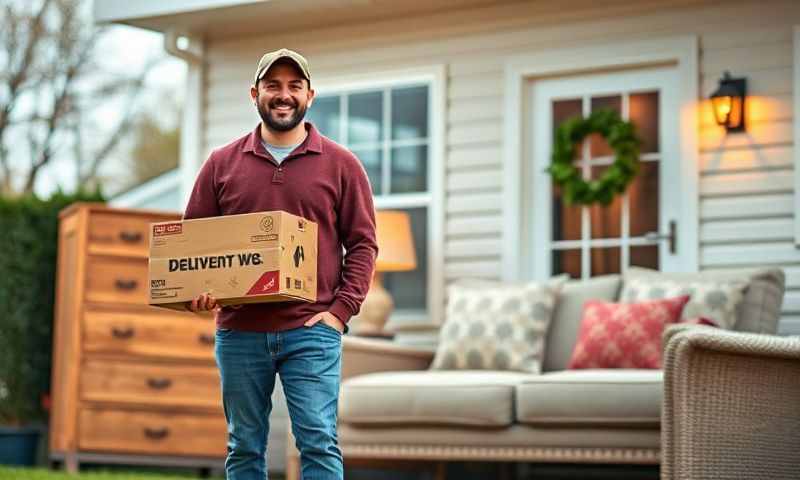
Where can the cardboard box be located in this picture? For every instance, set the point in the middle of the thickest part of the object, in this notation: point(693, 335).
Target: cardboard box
point(248, 258)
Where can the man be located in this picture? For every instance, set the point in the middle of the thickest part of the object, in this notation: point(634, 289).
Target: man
point(286, 164)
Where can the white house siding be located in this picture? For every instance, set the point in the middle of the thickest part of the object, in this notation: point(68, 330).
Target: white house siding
point(745, 180)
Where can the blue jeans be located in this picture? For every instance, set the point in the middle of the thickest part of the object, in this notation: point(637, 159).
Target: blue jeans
point(308, 360)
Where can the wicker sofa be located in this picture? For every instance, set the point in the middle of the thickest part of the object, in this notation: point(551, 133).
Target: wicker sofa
point(731, 406)
point(393, 407)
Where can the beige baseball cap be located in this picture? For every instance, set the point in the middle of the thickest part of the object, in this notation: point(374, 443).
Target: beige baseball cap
point(271, 57)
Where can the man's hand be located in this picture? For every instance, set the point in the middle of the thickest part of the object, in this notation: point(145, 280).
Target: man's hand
point(203, 303)
point(328, 319)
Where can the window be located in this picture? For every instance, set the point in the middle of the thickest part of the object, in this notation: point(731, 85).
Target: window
point(600, 240)
point(388, 128)
point(796, 74)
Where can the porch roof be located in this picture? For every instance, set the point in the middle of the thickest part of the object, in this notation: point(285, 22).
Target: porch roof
point(232, 18)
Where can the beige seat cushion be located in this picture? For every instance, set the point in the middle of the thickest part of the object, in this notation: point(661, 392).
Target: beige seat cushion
point(458, 397)
point(603, 397)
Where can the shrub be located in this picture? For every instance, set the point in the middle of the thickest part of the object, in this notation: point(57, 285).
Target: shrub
point(28, 252)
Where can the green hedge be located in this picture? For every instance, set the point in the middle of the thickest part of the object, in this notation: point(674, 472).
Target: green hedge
point(28, 245)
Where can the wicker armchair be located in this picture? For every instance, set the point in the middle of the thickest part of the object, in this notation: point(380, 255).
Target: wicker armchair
point(731, 405)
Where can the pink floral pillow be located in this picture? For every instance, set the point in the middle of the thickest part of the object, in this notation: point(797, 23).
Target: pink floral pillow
point(624, 335)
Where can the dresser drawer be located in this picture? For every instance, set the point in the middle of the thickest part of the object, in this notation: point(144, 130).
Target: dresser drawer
point(149, 332)
point(101, 430)
point(117, 280)
point(120, 234)
point(154, 384)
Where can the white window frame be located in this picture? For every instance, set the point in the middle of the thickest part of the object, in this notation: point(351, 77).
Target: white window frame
point(796, 121)
point(681, 51)
point(434, 77)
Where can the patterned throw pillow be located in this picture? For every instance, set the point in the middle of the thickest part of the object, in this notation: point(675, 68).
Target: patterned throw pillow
point(711, 301)
point(624, 335)
point(490, 326)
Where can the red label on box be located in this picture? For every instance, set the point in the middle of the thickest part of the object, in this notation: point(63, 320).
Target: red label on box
point(167, 229)
point(268, 283)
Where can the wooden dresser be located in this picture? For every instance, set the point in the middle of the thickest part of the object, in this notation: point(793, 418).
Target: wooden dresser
point(131, 383)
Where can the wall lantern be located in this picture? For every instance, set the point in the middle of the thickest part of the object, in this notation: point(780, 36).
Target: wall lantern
point(728, 103)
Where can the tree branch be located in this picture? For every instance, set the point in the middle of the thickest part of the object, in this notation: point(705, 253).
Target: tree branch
point(123, 125)
point(17, 76)
point(62, 98)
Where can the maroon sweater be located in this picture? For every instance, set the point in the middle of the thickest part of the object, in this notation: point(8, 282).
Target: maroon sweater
point(321, 181)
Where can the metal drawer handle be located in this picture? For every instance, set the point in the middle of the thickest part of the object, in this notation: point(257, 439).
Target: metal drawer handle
point(159, 383)
point(156, 433)
point(122, 332)
point(205, 339)
point(125, 284)
point(130, 237)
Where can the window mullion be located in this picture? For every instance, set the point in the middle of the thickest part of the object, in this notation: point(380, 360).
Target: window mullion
point(343, 125)
point(387, 132)
point(626, 212)
point(586, 223)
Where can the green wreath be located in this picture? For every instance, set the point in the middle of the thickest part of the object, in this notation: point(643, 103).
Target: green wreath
point(621, 137)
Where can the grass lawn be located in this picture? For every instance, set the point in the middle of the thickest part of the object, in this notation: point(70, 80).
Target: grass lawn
point(7, 473)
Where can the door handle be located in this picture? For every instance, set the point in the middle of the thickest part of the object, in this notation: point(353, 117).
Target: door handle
point(671, 236)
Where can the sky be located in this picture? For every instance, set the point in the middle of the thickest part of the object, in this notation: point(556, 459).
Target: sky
point(125, 49)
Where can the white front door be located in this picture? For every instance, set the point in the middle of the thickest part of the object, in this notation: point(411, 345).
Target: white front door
point(640, 227)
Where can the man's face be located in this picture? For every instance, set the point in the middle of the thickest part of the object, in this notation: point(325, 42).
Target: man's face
point(282, 96)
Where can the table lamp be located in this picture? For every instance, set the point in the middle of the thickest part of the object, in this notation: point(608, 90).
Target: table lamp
point(395, 254)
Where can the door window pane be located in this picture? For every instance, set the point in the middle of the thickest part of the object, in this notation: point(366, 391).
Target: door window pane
point(643, 195)
point(410, 113)
point(408, 289)
point(645, 256)
point(598, 145)
point(325, 115)
point(365, 117)
point(371, 159)
point(566, 219)
point(409, 169)
point(564, 110)
point(643, 112)
point(567, 261)
point(605, 260)
point(605, 220)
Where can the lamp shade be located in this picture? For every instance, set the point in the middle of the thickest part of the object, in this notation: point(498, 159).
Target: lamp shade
point(395, 242)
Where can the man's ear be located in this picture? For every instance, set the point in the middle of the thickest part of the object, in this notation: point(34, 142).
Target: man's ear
point(253, 92)
point(311, 94)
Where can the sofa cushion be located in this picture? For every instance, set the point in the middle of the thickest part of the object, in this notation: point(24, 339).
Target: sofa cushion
point(463, 397)
point(603, 397)
point(711, 300)
point(760, 309)
point(496, 326)
point(624, 335)
point(567, 316)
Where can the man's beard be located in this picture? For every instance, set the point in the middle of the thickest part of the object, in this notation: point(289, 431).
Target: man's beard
point(281, 124)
